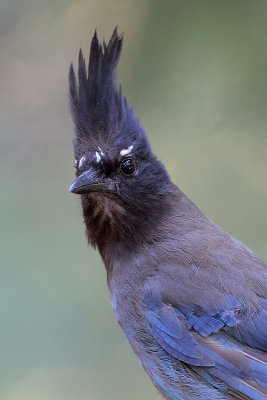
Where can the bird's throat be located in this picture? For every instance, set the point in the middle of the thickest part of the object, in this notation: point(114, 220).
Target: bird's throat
point(103, 214)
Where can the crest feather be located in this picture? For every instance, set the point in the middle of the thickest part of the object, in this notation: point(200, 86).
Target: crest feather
point(97, 104)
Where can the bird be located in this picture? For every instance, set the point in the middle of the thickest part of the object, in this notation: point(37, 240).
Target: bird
point(190, 298)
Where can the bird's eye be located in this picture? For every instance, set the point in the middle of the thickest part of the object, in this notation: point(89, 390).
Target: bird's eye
point(128, 166)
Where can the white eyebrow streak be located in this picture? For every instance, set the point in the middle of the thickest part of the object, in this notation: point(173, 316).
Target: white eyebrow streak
point(124, 152)
point(101, 151)
point(81, 162)
point(97, 156)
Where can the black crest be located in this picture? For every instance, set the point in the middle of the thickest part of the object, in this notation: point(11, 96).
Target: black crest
point(97, 104)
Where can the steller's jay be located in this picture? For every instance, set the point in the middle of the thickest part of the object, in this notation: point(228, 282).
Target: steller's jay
point(191, 299)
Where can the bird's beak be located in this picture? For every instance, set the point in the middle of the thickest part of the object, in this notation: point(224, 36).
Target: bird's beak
point(87, 182)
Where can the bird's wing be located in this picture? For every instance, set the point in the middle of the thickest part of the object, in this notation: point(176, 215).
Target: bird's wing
point(200, 338)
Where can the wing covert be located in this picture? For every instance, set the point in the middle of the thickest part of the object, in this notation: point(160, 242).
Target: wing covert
point(199, 337)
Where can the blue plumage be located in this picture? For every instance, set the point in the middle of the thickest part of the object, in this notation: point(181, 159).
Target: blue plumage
point(180, 330)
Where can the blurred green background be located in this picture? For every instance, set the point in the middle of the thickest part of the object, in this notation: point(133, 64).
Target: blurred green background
point(195, 73)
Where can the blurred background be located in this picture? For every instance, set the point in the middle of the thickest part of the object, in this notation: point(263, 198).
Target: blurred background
point(196, 74)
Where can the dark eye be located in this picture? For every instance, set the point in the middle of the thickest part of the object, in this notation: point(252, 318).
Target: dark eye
point(128, 166)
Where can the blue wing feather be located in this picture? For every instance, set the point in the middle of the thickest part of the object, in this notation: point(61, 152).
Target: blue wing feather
point(177, 340)
point(253, 331)
point(213, 342)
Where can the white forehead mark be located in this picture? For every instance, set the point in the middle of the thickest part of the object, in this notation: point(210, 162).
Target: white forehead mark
point(124, 152)
point(101, 151)
point(81, 162)
point(97, 156)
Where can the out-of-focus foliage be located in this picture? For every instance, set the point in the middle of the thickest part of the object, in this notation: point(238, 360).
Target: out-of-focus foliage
point(196, 74)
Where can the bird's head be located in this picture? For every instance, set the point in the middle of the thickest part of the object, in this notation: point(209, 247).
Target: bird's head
point(121, 182)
